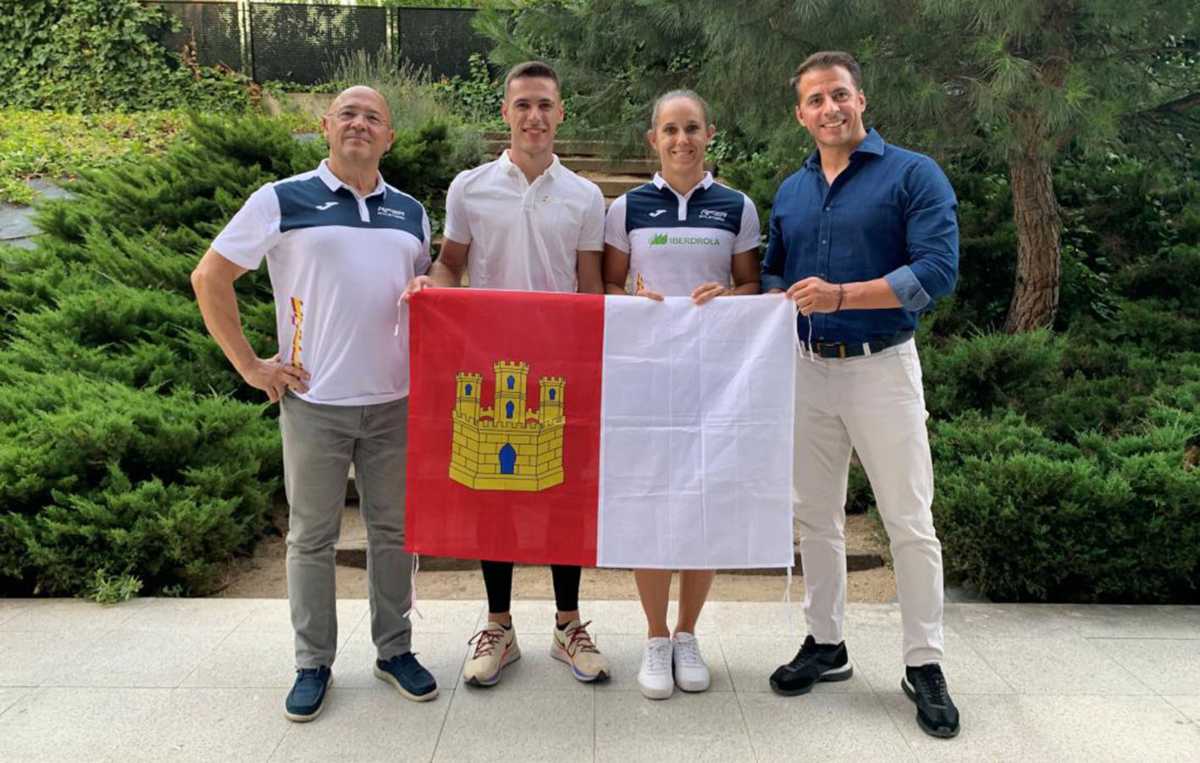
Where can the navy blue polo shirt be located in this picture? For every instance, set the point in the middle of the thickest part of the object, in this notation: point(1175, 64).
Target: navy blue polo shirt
point(890, 214)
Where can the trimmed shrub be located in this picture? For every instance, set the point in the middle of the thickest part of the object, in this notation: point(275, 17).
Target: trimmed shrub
point(1119, 522)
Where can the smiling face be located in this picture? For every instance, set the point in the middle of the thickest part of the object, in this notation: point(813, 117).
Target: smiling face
point(533, 110)
point(358, 126)
point(831, 108)
point(680, 135)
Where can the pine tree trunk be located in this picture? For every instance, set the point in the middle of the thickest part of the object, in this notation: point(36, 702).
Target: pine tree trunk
point(1039, 231)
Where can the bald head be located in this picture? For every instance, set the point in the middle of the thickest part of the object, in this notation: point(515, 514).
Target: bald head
point(363, 97)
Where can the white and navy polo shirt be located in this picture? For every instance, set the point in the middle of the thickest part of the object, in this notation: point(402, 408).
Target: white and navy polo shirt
point(675, 243)
point(524, 235)
point(338, 263)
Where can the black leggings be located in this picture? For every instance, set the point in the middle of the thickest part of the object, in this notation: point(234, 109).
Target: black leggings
point(497, 579)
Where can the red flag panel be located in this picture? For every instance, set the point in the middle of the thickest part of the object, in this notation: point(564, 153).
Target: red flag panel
point(504, 425)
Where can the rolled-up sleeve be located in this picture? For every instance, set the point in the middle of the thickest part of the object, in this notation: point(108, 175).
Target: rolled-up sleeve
point(776, 257)
point(931, 234)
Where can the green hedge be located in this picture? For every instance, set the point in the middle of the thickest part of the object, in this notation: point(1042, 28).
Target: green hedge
point(130, 452)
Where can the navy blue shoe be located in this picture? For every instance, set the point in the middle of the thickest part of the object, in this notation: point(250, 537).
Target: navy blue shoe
point(406, 674)
point(307, 697)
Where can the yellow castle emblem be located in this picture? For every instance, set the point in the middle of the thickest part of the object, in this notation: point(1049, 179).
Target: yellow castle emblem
point(508, 446)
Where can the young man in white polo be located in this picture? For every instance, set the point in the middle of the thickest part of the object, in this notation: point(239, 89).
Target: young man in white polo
point(525, 222)
point(340, 245)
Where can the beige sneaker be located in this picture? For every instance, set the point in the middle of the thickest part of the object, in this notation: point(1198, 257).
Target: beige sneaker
point(495, 647)
point(574, 646)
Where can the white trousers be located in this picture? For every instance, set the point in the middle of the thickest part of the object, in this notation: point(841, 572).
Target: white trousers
point(874, 404)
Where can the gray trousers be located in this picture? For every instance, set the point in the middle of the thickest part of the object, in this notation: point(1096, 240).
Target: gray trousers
point(319, 444)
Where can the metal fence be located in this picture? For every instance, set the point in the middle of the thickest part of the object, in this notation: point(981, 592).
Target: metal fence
point(303, 43)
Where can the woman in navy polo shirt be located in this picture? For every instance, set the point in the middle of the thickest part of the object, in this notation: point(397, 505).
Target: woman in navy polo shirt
point(680, 235)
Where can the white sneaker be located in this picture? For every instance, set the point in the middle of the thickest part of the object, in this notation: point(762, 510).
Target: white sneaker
point(654, 679)
point(691, 672)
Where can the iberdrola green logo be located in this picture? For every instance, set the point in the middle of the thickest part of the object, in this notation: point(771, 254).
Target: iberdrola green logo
point(658, 239)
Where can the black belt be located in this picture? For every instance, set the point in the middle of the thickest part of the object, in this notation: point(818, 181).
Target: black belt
point(855, 349)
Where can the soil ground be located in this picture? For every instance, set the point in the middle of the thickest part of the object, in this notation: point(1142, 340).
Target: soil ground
point(263, 576)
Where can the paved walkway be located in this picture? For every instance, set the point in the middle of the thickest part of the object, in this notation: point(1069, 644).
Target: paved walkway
point(204, 679)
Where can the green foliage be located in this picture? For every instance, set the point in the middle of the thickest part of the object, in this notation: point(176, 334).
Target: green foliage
point(475, 98)
point(99, 55)
point(59, 146)
point(105, 589)
point(129, 449)
point(1115, 520)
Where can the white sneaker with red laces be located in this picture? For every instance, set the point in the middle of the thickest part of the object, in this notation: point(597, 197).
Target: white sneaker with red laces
point(574, 646)
point(495, 647)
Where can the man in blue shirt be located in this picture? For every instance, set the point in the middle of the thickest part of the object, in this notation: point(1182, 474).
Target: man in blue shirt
point(863, 238)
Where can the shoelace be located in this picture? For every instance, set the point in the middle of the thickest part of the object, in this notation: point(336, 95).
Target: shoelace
point(935, 683)
point(688, 653)
point(485, 642)
point(578, 640)
point(658, 657)
point(309, 673)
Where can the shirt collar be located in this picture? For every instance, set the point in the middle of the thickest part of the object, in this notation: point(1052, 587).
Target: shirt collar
point(872, 144)
point(554, 170)
point(705, 182)
point(333, 183)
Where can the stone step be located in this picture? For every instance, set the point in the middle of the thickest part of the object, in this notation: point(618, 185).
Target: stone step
point(565, 147)
point(351, 551)
point(615, 185)
point(634, 166)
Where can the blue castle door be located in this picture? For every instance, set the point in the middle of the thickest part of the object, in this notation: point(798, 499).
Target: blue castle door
point(508, 459)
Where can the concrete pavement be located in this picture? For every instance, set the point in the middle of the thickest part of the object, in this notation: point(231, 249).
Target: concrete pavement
point(205, 679)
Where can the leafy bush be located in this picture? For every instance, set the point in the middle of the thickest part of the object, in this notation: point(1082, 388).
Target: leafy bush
point(98, 55)
point(130, 452)
point(1114, 520)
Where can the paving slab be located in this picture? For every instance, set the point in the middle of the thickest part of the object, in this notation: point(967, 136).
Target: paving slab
point(1060, 665)
point(211, 724)
point(64, 615)
point(32, 658)
point(706, 726)
point(1168, 666)
point(173, 614)
point(1032, 684)
point(360, 725)
point(520, 725)
point(1188, 705)
point(9, 695)
point(130, 657)
point(1055, 728)
point(852, 727)
point(75, 724)
point(1128, 621)
point(879, 655)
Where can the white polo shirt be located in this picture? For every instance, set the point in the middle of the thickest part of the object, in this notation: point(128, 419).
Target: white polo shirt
point(677, 242)
point(338, 263)
point(524, 235)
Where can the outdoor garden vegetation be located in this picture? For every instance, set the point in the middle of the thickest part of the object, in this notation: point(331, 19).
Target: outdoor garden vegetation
point(1065, 439)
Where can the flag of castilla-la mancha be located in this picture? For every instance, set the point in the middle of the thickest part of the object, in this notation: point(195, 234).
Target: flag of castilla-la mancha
point(601, 431)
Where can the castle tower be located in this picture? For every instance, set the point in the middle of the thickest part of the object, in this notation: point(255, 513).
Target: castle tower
point(550, 402)
point(466, 401)
point(510, 392)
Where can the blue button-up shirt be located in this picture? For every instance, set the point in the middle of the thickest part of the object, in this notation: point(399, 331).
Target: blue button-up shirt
point(890, 214)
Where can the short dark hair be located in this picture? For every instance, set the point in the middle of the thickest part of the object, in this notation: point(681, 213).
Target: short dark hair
point(827, 59)
point(539, 69)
